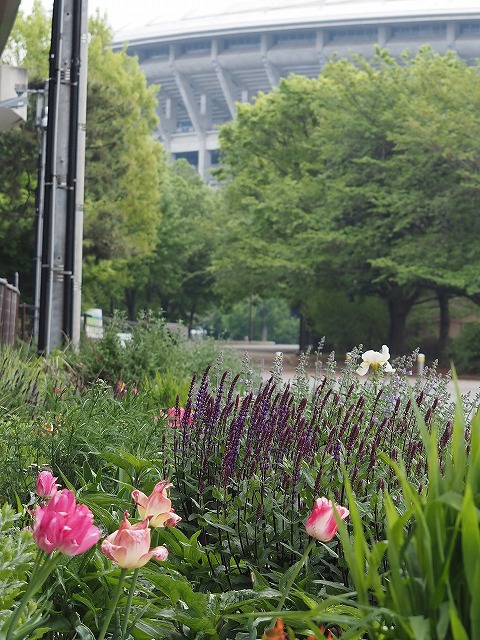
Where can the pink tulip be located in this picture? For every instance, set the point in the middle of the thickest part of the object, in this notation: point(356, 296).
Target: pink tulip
point(176, 415)
point(129, 546)
point(64, 525)
point(157, 506)
point(46, 486)
point(321, 524)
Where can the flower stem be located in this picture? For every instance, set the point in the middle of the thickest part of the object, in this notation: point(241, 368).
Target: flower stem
point(295, 573)
point(128, 605)
point(113, 605)
point(40, 573)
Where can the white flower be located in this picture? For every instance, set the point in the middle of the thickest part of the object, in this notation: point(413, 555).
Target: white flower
point(377, 360)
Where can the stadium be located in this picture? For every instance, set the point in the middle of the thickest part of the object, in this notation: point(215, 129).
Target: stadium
point(206, 64)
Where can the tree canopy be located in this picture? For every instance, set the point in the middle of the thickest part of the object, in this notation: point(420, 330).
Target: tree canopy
point(124, 162)
point(360, 180)
point(124, 165)
point(352, 193)
point(179, 274)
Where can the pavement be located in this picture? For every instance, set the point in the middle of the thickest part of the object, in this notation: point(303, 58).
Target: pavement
point(262, 354)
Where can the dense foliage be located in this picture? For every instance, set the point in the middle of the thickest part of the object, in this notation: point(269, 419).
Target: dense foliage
point(134, 201)
point(337, 194)
point(359, 181)
point(247, 460)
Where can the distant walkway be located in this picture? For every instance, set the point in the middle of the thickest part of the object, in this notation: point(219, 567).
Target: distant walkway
point(263, 354)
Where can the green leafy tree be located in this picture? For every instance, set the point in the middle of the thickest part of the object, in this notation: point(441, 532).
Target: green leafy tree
point(338, 191)
point(273, 192)
point(266, 319)
point(179, 277)
point(437, 169)
point(29, 42)
point(18, 167)
point(27, 47)
point(124, 164)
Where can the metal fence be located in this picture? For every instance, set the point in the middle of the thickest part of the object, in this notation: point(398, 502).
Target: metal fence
point(9, 304)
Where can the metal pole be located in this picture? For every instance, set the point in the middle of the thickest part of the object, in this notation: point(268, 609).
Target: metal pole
point(45, 315)
point(71, 197)
point(62, 230)
point(81, 133)
point(250, 320)
point(41, 125)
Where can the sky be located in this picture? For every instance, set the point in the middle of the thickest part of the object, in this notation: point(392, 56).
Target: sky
point(123, 13)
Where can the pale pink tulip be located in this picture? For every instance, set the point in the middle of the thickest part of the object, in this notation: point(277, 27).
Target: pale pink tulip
point(64, 525)
point(321, 524)
point(129, 546)
point(172, 521)
point(46, 486)
point(157, 506)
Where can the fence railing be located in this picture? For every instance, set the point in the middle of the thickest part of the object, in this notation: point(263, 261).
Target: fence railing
point(9, 301)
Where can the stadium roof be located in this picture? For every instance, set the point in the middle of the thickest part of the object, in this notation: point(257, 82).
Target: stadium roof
point(206, 64)
point(239, 16)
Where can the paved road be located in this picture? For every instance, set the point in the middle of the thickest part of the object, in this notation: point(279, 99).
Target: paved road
point(263, 353)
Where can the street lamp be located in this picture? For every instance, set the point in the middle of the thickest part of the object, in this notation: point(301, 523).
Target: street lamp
point(14, 103)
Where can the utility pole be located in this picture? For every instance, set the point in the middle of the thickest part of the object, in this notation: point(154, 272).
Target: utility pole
point(61, 255)
point(41, 120)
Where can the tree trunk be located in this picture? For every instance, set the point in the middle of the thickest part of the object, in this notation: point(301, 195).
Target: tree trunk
point(190, 321)
point(264, 317)
point(130, 301)
point(444, 329)
point(304, 337)
point(398, 309)
point(149, 294)
point(250, 320)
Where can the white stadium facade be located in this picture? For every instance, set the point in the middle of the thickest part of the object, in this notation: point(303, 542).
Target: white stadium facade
point(206, 64)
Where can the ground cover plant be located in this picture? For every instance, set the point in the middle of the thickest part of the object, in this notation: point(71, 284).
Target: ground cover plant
point(223, 477)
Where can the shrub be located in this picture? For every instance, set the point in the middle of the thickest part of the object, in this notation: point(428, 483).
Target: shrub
point(466, 349)
point(152, 350)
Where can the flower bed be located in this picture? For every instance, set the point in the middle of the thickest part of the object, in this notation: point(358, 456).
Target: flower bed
point(240, 541)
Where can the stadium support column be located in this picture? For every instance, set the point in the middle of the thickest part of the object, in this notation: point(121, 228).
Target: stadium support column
point(225, 81)
point(188, 97)
point(63, 193)
point(452, 34)
point(167, 120)
point(382, 35)
point(200, 115)
point(320, 46)
point(205, 119)
point(272, 71)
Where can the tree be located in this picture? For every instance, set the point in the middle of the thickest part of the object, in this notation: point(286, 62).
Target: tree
point(179, 275)
point(29, 42)
point(330, 177)
point(273, 189)
point(124, 164)
point(28, 47)
point(443, 181)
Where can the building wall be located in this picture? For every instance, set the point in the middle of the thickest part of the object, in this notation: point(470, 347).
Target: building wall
point(204, 73)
